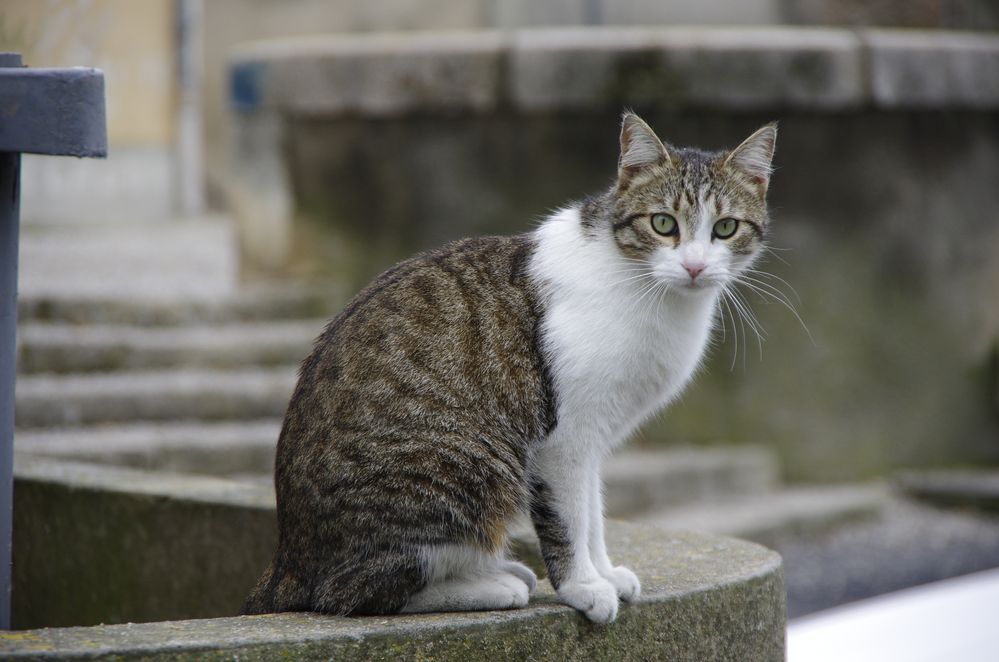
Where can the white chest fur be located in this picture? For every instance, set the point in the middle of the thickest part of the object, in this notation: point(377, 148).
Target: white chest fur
point(617, 354)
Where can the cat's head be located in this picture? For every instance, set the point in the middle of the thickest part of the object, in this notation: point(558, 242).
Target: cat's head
point(696, 219)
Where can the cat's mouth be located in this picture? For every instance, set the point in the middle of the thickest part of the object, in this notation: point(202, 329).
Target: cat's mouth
point(696, 285)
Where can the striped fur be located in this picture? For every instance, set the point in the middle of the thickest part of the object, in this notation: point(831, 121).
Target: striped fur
point(490, 378)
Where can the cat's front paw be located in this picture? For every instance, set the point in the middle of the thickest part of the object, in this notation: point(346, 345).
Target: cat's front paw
point(596, 598)
point(625, 582)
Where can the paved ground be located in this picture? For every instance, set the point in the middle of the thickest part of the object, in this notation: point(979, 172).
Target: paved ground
point(909, 544)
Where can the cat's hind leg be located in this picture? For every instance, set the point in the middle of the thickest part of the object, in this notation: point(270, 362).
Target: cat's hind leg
point(461, 578)
point(487, 592)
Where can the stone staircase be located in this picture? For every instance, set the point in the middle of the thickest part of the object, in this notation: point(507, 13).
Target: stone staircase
point(199, 386)
point(146, 425)
point(160, 360)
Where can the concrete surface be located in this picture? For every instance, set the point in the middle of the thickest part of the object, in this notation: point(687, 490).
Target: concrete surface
point(637, 481)
point(95, 544)
point(641, 480)
point(704, 597)
point(167, 262)
point(253, 302)
point(222, 448)
point(64, 348)
point(971, 489)
point(249, 393)
point(584, 67)
point(769, 517)
point(907, 544)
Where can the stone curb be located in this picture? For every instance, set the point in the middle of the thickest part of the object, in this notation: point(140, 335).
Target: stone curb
point(704, 596)
point(543, 70)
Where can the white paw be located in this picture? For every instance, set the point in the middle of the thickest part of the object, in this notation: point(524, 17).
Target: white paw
point(521, 572)
point(596, 598)
point(516, 587)
point(625, 582)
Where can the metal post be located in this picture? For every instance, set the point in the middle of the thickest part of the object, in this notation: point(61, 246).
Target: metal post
point(10, 166)
point(10, 196)
point(46, 111)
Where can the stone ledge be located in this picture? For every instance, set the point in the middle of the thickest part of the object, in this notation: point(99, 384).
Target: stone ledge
point(705, 597)
point(686, 67)
point(159, 545)
point(928, 69)
point(577, 68)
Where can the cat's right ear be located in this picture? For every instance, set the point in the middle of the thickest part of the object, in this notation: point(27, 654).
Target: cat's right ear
point(640, 148)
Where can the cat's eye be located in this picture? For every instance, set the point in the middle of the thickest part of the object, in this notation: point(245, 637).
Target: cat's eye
point(664, 224)
point(725, 228)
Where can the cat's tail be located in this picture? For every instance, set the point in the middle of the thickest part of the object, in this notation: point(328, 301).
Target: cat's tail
point(380, 583)
point(276, 590)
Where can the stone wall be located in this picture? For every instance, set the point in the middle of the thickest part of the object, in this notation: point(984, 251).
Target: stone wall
point(884, 200)
point(107, 545)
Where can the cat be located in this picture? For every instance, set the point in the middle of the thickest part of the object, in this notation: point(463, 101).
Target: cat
point(491, 377)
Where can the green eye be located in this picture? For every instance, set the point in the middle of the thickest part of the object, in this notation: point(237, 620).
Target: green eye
point(664, 224)
point(725, 228)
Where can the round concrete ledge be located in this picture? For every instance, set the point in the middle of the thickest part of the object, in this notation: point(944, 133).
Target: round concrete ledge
point(594, 68)
point(704, 598)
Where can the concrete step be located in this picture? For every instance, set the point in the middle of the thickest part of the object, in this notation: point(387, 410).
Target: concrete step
point(648, 479)
point(768, 518)
point(166, 395)
point(196, 259)
point(976, 489)
point(164, 546)
point(65, 348)
point(636, 481)
point(275, 301)
point(227, 448)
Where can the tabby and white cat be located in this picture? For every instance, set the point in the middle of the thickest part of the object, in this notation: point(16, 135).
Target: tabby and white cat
point(492, 377)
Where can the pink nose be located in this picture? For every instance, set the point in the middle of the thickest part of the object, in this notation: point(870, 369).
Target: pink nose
point(693, 269)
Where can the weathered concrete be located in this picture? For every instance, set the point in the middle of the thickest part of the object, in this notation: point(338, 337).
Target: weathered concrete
point(61, 348)
point(252, 303)
point(715, 68)
point(377, 74)
point(178, 261)
point(870, 139)
point(933, 69)
point(95, 544)
point(224, 448)
point(769, 518)
point(251, 393)
point(704, 597)
point(969, 489)
point(641, 480)
point(636, 481)
point(597, 68)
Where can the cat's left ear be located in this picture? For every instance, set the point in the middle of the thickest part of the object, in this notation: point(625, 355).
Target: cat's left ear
point(754, 156)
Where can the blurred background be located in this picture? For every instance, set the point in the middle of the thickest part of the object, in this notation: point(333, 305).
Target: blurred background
point(267, 158)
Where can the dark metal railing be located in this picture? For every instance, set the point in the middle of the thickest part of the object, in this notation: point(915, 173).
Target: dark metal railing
point(42, 111)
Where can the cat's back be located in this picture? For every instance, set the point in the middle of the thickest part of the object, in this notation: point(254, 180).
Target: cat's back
point(444, 341)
